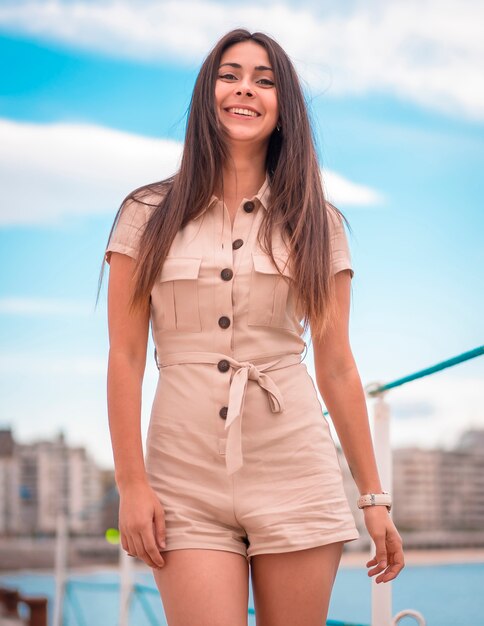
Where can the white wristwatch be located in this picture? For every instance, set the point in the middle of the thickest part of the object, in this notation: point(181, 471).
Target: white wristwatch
point(372, 499)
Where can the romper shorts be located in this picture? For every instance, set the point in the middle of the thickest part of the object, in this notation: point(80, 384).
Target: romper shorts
point(288, 495)
point(238, 449)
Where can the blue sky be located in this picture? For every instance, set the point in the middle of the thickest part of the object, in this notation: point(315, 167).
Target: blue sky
point(93, 98)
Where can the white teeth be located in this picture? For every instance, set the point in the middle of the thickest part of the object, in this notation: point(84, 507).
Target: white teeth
point(243, 112)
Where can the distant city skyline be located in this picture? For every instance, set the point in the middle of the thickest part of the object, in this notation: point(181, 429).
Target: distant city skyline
point(92, 110)
point(438, 495)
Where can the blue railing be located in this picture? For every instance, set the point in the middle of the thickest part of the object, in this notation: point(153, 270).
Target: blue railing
point(139, 594)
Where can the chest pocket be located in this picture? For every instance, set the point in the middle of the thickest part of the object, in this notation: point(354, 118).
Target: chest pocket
point(269, 291)
point(179, 297)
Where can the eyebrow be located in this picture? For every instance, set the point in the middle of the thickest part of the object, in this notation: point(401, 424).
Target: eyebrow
point(257, 67)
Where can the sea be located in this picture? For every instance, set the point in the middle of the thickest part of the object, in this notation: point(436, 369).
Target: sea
point(445, 594)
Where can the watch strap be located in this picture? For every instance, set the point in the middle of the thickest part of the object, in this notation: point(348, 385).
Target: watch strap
point(374, 499)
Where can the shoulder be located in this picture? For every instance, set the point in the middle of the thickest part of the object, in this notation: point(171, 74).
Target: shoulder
point(338, 240)
point(333, 213)
point(335, 220)
point(138, 206)
point(132, 217)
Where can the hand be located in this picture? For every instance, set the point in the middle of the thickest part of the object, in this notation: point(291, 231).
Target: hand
point(388, 544)
point(142, 523)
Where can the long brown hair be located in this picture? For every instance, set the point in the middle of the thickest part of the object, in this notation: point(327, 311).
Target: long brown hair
point(297, 203)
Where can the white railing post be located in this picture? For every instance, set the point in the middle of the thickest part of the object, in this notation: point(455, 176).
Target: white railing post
point(125, 585)
point(60, 568)
point(381, 594)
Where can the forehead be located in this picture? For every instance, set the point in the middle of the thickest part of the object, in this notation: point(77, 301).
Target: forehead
point(247, 53)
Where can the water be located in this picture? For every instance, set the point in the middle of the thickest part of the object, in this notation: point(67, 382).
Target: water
point(447, 595)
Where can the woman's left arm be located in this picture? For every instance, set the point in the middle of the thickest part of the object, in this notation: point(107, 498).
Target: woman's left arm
point(340, 387)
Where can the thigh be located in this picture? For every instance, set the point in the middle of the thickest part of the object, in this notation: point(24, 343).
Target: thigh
point(294, 588)
point(204, 587)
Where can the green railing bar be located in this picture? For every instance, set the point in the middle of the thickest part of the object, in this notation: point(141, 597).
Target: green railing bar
point(138, 592)
point(76, 606)
point(471, 354)
point(330, 622)
point(333, 622)
point(95, 586)
point(146, 589)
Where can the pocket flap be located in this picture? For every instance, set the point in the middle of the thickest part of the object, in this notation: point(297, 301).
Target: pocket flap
point(263, 263)
point(179, 268)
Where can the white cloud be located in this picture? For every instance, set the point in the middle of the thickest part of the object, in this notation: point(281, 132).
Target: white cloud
point(431, 52)
point(48, 171)
point(340, 190)
point(52, 170)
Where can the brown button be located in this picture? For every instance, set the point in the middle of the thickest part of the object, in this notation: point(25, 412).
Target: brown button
point(237, 244)
point(249, 206)
point(223, 365)
point(224, 321)
point(223, 412)
point(226, 273)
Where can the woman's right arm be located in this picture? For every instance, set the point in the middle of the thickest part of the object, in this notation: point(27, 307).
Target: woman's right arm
point(141, 515)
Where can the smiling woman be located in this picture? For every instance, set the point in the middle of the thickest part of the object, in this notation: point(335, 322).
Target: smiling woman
point(231, 260)
point(253, 117)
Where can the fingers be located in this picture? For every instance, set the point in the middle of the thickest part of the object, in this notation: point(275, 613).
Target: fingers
point(142, 544)
point(389, 558)
point(124, 542)
point(153, 551)
point(159, 527)
point(396, 558)
point(142, 527)
point(131, 550)
point(147, 551)
point(380, 558)
point(395, 567)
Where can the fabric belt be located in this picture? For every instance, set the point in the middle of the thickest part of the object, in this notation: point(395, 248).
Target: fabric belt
point(244, 371)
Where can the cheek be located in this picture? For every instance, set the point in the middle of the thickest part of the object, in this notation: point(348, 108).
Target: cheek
point(273, 108)
point(220, 93)
point(271, 103)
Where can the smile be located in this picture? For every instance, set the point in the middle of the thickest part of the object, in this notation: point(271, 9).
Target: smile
point(241, 112)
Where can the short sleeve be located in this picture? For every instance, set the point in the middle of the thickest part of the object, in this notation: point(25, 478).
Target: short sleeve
point(128, 230)
point(340, 250)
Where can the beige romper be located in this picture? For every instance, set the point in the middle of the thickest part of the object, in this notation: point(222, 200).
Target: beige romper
point(238, 449)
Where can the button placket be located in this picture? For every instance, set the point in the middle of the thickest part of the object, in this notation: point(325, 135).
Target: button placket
point(242, 233)
point(234, 238)
point(224, 313)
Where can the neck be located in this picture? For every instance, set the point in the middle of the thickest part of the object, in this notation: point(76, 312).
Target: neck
point(242, 177)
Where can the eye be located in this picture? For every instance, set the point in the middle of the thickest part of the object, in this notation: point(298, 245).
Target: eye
point(226, 75)
point(269, 82)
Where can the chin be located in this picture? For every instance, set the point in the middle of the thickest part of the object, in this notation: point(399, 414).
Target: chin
point(246, 136)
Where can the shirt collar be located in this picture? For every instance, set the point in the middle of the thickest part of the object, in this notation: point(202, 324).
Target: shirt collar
point(262, 195)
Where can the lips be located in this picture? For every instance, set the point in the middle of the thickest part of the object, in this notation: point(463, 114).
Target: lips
point(227, 110)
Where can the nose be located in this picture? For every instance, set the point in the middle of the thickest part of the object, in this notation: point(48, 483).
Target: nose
point(240, 91)
point(244, 88)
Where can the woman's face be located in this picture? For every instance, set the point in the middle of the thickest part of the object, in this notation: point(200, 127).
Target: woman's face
point(249, 86)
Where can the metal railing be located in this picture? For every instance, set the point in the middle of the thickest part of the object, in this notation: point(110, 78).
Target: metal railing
point(381, 595)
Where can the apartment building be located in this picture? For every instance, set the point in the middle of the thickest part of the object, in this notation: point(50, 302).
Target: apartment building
point(41, 479)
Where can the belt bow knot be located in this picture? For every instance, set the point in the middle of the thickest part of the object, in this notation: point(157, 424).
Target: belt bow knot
point(244, 371)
